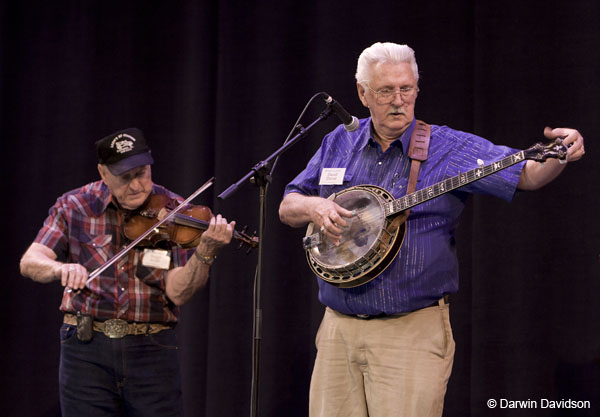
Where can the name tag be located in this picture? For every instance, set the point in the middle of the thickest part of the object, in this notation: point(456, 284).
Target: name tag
point(156, 258)
point(332, 176)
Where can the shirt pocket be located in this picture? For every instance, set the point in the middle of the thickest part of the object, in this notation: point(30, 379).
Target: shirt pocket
point(153, 277)
point(94, 251)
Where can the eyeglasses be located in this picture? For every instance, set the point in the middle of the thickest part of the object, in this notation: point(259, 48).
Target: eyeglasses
point(387, 95)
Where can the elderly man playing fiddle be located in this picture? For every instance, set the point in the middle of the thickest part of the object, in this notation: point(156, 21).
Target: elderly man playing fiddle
point(385, 348)
point(119, 354)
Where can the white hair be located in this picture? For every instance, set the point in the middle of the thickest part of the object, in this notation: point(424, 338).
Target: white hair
point(384, 52)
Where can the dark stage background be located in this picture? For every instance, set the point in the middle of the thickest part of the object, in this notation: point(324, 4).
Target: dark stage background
point(216, 86)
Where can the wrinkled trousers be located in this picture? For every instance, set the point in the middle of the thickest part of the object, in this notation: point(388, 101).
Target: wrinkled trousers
point(382, 367)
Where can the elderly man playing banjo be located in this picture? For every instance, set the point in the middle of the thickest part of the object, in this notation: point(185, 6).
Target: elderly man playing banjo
point(384, 252)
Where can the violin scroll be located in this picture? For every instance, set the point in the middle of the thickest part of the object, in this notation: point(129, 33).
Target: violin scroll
point(245, 238)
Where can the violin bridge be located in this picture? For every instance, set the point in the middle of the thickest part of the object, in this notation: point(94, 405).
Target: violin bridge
point(162, 213)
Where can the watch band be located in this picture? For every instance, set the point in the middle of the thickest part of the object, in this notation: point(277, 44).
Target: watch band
point(207, 260)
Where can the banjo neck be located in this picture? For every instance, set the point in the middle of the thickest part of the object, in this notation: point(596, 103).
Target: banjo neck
point(452, 183)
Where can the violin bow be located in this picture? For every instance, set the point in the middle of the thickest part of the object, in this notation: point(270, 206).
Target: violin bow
point(165, 219)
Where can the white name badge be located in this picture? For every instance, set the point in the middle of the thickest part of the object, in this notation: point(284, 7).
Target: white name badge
point(156, 258)
point(332, 176)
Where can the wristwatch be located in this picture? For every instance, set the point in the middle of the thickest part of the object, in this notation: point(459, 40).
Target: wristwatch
point(208, 260)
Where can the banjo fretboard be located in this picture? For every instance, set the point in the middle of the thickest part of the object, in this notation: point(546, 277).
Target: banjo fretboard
point(452, 183)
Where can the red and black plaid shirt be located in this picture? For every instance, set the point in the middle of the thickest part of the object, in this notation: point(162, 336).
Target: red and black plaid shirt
point(83, 227)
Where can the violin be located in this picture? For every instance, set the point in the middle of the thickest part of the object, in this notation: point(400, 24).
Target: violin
point(184, 228)
point(157, 224)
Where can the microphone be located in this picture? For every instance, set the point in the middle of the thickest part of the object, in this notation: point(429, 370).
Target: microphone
point(350, 122)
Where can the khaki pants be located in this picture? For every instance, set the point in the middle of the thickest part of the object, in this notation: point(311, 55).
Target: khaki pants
point(395, 366)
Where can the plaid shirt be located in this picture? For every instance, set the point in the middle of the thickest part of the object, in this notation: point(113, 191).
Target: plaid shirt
point(84, 227)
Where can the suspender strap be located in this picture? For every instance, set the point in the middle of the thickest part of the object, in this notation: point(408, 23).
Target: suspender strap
point(417, 152)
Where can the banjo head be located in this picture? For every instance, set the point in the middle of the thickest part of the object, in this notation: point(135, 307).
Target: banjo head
point(360, 235)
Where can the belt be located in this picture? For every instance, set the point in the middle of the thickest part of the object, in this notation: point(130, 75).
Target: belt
point(117, 328)
point(442, 301)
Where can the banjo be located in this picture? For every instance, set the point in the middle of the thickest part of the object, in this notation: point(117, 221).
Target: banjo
point(373, 236)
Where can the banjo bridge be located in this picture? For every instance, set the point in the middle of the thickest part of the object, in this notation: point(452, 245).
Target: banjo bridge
point(309, 242)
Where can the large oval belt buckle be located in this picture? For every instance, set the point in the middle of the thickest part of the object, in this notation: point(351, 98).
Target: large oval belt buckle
point(115, 328)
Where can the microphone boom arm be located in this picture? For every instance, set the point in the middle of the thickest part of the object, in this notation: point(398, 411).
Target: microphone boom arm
point(263, 164)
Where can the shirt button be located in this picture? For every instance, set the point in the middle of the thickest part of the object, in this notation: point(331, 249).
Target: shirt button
point(379, 163)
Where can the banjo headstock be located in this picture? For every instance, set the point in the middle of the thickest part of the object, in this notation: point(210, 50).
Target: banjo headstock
point(542, 151)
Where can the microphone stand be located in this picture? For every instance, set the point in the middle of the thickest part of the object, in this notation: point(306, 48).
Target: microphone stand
point(260, 176)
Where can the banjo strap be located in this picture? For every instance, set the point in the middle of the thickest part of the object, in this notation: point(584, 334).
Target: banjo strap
point(417, 152)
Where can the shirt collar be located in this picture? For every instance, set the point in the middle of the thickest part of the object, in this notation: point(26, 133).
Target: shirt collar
point(104, 199)
point(403, 141)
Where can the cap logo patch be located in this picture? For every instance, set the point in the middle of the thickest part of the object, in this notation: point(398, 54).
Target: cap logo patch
point(122, 143)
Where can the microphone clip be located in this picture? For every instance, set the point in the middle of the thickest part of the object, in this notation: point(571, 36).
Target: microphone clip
point(350, 122)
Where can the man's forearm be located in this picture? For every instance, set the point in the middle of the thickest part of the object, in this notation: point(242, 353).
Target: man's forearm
point(183, 282)
point(39, 263)
point(295, 208)
point(535, 175)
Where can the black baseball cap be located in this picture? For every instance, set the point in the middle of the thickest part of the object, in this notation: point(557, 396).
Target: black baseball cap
point(124, 150)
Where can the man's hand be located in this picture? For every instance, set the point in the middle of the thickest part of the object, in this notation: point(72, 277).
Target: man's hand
point(73, 276)
point(572, 139)
point(535, 175)
point(297, 210)
point(329, 217)
point(218, 234)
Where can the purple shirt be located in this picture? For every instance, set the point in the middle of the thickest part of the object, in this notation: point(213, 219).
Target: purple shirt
point(426, 268)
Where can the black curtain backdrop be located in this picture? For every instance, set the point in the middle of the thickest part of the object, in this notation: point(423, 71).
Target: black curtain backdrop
point(216, 87)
